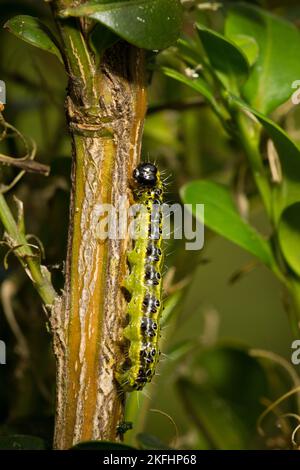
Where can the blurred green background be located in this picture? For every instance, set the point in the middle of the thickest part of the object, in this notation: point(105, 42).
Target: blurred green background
point(211, 390)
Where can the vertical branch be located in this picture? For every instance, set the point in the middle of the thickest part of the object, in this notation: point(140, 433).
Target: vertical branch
point(106, 110)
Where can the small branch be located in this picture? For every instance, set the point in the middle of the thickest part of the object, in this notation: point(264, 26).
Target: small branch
point(16, 238)
point(26, 165)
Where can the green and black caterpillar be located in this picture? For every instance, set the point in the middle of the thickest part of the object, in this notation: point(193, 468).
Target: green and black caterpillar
point(144, 283)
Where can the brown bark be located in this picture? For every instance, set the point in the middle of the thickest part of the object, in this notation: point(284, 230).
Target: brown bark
point(106, 127)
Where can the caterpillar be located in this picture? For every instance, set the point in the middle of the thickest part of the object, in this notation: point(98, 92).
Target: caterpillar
point(144, 283)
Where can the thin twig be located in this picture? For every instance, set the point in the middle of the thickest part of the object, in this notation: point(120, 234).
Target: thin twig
point(26, 165)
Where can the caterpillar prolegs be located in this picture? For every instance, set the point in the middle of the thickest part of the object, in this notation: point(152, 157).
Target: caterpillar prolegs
point(144, 283)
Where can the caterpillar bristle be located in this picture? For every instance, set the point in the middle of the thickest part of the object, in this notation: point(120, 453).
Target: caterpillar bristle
point(144, 284)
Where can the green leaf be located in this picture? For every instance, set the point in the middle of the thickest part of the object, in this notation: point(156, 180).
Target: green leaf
point(228, 61)
point(148, 441)
point(221, 215)
point(171, 305)
point(101, 445)
point(197, 84)
point(189, 52)
point(211, 413)
point(33, 31)
point(182, 349)
point(21, 442)
point(225, 404)
point(149, 25)
point(286, 192)
point(289, 236)
point(248, 45)
point(270, 81)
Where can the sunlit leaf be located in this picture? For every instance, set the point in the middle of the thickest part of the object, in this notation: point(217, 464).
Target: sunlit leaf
point(149, 25)
point(35, 32)
point(221, 215)
point(289, 236)
point(248, 45)
point(277, 67)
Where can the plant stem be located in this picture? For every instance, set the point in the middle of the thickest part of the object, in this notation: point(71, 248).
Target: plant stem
point(106, 109)
point(26, 256)
point(249, 135)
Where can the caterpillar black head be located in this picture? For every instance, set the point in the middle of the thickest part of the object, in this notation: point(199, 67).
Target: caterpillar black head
point(146, 175)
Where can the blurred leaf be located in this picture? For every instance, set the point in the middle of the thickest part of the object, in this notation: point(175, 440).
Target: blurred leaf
point(159, 131)
point(288, 191)
point(21, 442)
point(33, 31)
point(189, 51)
point(270, 81)
point(179, 350)
point(196, 83)
point(225, 403)
point(221, 215)
point(170, 306)
point(289, 236)
point(101, 445)
point(248, 45)
point(148, 441)
point(228, 61)
point(150, 25)
point(212, 415)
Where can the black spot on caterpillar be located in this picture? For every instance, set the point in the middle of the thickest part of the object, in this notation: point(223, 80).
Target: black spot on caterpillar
point(144, 284)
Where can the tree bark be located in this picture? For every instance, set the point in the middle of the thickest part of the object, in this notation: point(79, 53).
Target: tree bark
point(105, 113)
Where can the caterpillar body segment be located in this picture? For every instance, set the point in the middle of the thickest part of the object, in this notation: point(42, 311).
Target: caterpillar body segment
point(144, 283)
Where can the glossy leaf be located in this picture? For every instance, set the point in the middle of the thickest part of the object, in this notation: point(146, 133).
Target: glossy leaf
point(248, 45)
point(227, 60)
point(270, 81)
point(289, 236)
point(33, 31)
point(149, 25)
point(148, 441)
point(101, 445)
point(221, 215)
